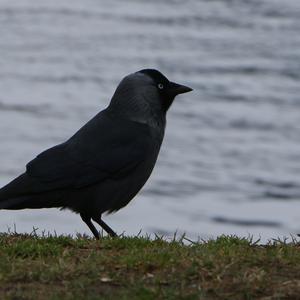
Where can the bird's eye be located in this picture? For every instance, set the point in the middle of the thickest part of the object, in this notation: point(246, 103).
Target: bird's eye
point(160, 86)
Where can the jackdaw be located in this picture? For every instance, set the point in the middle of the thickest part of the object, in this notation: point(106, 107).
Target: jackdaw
point(104, 164)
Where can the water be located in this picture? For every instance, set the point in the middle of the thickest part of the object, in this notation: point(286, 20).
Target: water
point(230, 162)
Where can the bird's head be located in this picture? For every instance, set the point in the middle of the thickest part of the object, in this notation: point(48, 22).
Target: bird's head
point(145, 94)
point(165, 89)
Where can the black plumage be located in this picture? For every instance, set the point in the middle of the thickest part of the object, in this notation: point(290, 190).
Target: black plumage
point(104, 165)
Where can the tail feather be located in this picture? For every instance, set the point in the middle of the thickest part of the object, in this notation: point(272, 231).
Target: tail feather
point(9, 194)
point(15, 194)
point(24, 192)
point(20, 186)
point(14, 203)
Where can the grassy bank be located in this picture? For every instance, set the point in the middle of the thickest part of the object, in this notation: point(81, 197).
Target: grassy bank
point(137, 268)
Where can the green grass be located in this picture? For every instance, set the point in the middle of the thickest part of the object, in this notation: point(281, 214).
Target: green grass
point(61, 267)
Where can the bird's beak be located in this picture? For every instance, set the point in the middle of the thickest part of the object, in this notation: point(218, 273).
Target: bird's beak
point(176, 89)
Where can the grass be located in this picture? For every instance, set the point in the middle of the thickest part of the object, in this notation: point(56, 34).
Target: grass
point(61, 267)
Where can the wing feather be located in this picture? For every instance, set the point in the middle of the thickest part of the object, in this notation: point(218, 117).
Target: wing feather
point(105, 147)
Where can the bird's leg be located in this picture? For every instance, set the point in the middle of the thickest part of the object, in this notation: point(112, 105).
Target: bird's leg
point(104, 226)
point(87, 220)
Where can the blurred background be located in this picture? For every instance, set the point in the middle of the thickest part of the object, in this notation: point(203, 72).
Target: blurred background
point(230, 162)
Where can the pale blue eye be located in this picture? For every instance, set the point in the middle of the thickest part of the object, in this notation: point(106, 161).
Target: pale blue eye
point(160, 86)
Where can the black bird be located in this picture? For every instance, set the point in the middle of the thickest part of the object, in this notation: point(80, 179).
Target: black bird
point(104, 164)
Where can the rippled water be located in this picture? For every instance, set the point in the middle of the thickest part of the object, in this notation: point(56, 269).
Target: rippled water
point(230, 162)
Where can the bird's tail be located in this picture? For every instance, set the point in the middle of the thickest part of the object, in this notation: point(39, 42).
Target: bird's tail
point(14, 203)
point(14, 194)
point(24, 192)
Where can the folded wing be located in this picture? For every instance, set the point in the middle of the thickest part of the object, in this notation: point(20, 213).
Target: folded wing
point(104, 148)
